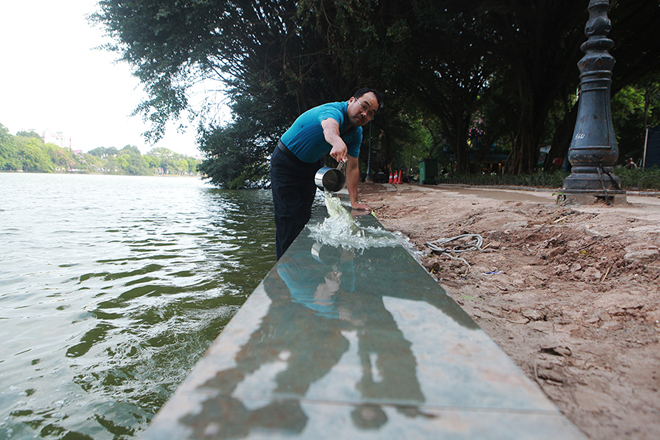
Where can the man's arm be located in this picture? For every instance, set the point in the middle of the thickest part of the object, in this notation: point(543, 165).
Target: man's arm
point(331, 134)
point(340, 153)
point(352, 179)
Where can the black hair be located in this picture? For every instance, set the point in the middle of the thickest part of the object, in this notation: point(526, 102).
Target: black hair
point(363, 90)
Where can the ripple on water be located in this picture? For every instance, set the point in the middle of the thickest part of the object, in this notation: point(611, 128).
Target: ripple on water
point(110, 298)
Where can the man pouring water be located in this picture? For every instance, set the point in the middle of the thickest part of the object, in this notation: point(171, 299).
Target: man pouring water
point(334, 128)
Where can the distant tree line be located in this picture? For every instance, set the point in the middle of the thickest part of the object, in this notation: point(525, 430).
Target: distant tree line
point(26, 151)
point(462, 78)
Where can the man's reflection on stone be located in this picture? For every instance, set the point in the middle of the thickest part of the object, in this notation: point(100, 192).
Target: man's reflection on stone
point(314, 303)
point(315, 277)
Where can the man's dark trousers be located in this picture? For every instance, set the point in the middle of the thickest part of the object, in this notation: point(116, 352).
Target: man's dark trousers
point(292, 183)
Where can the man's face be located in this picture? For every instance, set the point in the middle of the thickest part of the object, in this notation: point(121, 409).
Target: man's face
point(362, 109)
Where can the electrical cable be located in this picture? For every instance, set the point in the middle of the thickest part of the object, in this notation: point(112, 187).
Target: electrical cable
point(473, 245)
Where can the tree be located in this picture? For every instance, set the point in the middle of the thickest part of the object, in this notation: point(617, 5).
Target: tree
point(511, 61)
point(236, 153)
point(182, 165)
point(252, 47)
point(633, 108)
point(268, 54)
point(131, 161)
point(8, 150)
point(152, 162)
point(29, 134)
point(192, 165)
point(61, 158)
point(5, 136)
point(537, 43)
point(103, 151)
point(32, 156)
point(453, 76)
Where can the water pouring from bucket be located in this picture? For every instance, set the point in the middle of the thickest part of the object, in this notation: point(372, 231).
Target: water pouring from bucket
point(341, 231)
point(330, 179)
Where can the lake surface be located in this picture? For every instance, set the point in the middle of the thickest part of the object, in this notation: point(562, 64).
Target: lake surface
point(111, 289)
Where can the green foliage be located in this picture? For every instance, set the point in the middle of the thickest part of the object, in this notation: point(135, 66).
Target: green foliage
point(28, 134)
point(639, 178)
point(192, 165)
point(133, 162)
point(103, 151)
point(5, 136)
point(442, 64)
point(8, 150)
point(237, 153)
point(256, 48)
point(628, 119)
point(538, 179)
point(27, 152)
point(32, 156)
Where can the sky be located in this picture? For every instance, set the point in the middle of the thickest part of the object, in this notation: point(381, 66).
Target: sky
point(52, 78)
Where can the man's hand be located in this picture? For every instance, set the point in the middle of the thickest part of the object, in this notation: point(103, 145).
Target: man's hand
point(331, 134)
point(339, 152)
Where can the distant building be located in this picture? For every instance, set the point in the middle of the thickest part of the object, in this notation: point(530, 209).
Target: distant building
point(57, 138)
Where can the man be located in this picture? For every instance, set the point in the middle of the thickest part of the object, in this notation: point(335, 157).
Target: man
point(334, 128)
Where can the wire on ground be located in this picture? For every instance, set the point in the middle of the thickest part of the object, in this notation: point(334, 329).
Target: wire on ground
point(470, 245)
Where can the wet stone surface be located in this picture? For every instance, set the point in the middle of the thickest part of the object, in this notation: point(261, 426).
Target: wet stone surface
point(338, 342)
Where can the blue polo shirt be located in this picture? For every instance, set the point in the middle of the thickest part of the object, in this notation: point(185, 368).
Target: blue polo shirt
point(305, 137)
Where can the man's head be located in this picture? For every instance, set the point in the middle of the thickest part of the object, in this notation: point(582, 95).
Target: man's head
point(363, 106)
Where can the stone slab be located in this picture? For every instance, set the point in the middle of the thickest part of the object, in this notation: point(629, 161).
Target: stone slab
point(344, 343)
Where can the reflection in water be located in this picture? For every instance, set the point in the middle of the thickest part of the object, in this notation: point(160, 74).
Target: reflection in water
point(327, 335)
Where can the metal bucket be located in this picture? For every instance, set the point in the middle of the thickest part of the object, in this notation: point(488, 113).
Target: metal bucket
point(330, 179)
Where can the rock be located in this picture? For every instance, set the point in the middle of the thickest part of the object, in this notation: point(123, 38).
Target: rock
point(514, 225)
point(592, 233)
point(557, 251)
point(641, 255)
point(533, 315)
point(518, 320)
point(591, 274)
point(557, 350)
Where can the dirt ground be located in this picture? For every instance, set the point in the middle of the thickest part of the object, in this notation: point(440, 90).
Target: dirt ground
point(571, 294)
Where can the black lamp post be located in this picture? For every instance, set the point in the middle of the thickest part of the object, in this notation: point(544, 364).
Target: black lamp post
point(594, 150)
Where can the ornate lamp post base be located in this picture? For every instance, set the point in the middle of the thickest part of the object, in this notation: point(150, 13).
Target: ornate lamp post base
point(593, 150)
point(589, 197)
point(588, 185)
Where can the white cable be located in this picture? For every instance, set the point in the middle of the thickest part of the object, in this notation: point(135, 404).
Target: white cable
point(473, 245)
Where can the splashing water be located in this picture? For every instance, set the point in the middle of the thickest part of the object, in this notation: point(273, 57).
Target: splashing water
point(340, 229)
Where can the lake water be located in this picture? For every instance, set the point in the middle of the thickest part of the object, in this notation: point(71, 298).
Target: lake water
point(111, 288)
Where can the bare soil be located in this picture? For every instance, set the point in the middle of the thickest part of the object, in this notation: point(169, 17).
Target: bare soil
point(571, 294)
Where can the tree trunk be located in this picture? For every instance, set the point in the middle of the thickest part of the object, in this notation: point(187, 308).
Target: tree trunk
point(561, 141)
point(461, 147)
point(536, 103)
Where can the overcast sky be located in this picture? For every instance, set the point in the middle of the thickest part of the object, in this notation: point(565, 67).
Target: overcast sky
point(51, 78)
